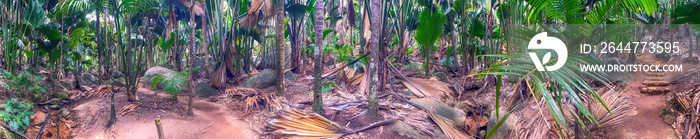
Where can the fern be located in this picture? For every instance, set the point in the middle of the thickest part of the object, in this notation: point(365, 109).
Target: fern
point(171, 85)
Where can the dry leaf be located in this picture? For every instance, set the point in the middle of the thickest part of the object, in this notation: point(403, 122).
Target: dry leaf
point(296, 124)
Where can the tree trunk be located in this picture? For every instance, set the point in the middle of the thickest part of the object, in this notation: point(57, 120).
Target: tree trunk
point(205, 44)
point(318, 29)
point(191, 61)
point(279, 32)
point(373, 107)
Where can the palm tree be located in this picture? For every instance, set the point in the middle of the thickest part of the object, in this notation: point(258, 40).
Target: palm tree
point(191, 59)
point(279, 32)
point(567, 84)
point(373, 107)
point(318, 56)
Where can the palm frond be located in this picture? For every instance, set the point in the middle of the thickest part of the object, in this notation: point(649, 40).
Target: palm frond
point(262, 101)
point(296, 124)
point(431, 87)
point(565, 84)
point(619, 109)
point(71, 7)
point(448, 127)
point(142, 7)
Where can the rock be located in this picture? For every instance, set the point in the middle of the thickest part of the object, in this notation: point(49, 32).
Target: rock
point(63, 95)
point(289, 76)
point(403, 129)
point(442, 109)
point(669, 119)
point(87, 80)
point(68, 83)
point(151, 73)
point(117, 74)
point(441, 76)
point(505, 129)
point(55, 107)
point(64, 113)
point(120, 82)
point(262, 80)
point(204, 90)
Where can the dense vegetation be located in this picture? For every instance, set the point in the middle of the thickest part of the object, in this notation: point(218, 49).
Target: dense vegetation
point(46, 41)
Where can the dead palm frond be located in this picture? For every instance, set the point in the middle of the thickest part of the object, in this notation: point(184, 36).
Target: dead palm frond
point(127, 108)
point(431, 87)
point(218, 80)
point(262, 101)
point(682, 102)
point(619, 109)
point(102, 90)
point(448, 127)
point(259, 9)
point(296, 124)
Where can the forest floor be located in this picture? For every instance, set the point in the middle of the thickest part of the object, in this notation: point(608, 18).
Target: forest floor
point(210, 120)
point(646, 119)
point(214, 117)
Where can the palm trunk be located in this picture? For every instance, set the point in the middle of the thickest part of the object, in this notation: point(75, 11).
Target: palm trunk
point(318, 29)
point(279, 32)
point(373, 106)
point(205, 44)
point(191, 60)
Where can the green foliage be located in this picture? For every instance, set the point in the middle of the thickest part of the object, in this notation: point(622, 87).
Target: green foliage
point(34, 14)
point(23, 82)
point(327, 87)
point(686, 12)
point(429, 30)
point(16, 114)
point(297, 10)
point(171, 85)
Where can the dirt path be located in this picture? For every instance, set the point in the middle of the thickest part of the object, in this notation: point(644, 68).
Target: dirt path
point(210, 120)
point(645, 121)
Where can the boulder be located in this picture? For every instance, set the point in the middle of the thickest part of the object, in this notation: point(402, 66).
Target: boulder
point(87, 80)
point(262, 80)
point(68, 83)
point(118, 82)
point(289, 76)
point(441, 76)
point(117, 74)
point(456, 115)
point(506, 128)
point(405, 130)
point(204, 90)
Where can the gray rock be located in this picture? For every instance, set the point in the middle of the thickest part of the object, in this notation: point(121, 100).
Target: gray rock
point(120, 82)
point(68, 83)
point(441, 76)
point(264, 79)
point(289, 76)
point(505, 129)
point(87, 80)
point(403, 129)
point(456, 115)
point(117, 74)
point(204, 90)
